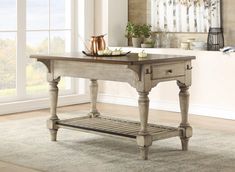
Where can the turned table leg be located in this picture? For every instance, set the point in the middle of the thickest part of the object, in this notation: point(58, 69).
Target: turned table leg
point(51, 122)
point(144, 140)
point(93, 95)
point(184, 105)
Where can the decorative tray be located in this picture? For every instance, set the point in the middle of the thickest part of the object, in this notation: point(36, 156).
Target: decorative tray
point(92, 55)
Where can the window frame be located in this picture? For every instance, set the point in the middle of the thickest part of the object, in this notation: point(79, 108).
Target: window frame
point(83, 26)
point(21, 60)
point(72, 30)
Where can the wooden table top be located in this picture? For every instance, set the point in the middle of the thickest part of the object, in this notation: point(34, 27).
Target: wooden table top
point(130, 59)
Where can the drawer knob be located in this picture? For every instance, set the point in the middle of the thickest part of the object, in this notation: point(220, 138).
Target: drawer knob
point(189, 67)
point(169, 71)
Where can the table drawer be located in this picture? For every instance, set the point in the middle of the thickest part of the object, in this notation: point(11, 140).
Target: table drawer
point(168, 70)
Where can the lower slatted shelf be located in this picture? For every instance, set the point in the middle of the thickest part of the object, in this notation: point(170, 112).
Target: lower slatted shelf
point(117, 127)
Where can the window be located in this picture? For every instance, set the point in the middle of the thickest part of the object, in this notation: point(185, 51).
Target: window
point(48, 30)
point(29, 27)
point(8, 31)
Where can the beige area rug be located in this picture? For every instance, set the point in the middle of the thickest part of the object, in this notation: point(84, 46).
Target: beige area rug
point(26, 142)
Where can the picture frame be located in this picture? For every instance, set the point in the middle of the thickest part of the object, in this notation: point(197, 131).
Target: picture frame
point(185, 15)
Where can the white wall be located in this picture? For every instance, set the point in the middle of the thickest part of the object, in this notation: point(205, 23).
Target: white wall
point(101, 19)
point(212, 90)
point(86, 18)
point(111, 17)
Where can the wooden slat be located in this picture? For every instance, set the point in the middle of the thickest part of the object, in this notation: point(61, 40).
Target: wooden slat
point(95, 132)
point(114, 123)
point(118, 127)
point(109, 125)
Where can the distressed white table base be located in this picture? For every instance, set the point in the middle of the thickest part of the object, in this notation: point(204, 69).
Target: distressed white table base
point(140, 132)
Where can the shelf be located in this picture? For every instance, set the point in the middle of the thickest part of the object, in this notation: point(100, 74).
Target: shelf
point(117, 127)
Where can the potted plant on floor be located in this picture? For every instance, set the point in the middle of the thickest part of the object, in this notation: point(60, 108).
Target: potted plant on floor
point(133, 31)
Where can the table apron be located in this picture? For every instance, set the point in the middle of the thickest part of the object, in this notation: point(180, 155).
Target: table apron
point(132, 74)
point(111, 72)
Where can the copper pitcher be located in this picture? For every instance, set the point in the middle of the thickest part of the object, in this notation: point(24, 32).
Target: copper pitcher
point(97, 43)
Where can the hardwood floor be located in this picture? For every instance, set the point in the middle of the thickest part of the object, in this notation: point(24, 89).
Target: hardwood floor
point(155, 116)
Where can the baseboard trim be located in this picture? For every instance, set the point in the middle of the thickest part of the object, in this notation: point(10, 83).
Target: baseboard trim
point(201, 110)
point(29, 105)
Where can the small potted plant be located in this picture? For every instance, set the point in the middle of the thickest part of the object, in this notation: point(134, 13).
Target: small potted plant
point(146, 30)
point(149, 41)
point(133, 31)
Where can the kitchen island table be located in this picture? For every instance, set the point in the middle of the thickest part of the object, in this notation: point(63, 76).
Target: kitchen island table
point(141, 73)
